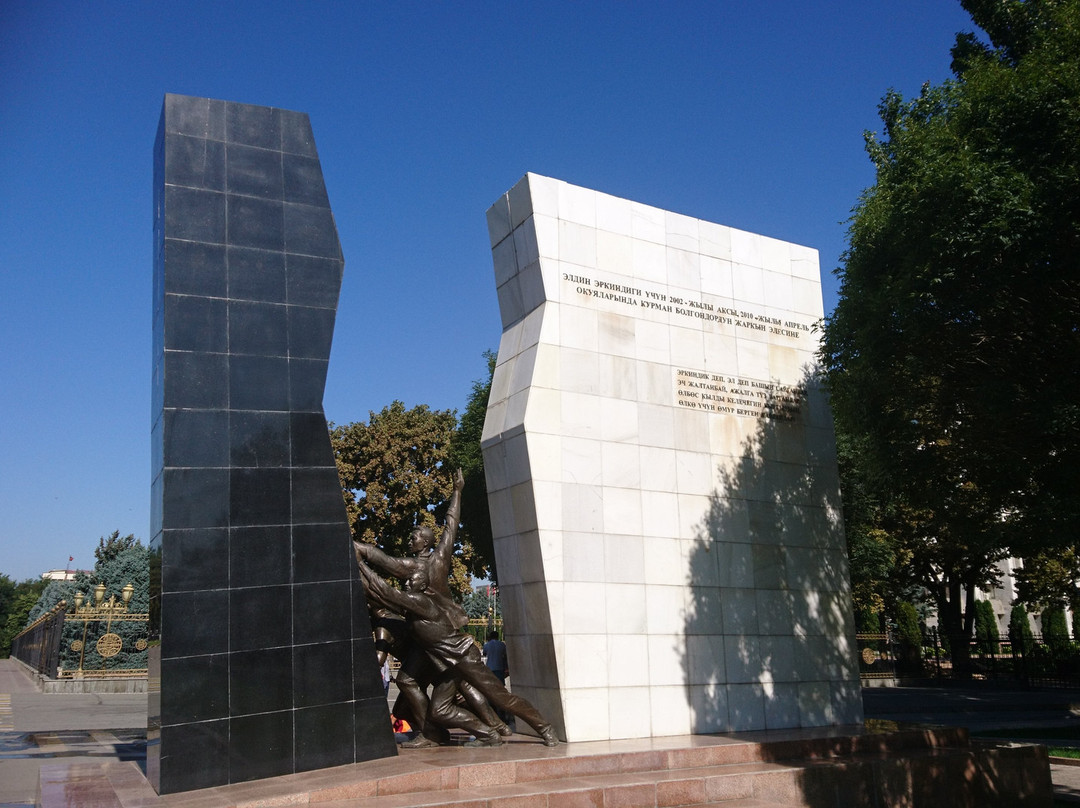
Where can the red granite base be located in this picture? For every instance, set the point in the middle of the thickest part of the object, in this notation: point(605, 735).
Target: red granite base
point(803, 767)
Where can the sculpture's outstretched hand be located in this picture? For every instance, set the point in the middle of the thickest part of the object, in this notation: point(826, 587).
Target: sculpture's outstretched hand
point(459, 480)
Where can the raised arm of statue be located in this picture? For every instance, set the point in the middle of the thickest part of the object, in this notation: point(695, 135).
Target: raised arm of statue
point(444, 550)
point(386, 564)
point(416, 603)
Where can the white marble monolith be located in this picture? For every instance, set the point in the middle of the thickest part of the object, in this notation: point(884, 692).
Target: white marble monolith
point(661, 473)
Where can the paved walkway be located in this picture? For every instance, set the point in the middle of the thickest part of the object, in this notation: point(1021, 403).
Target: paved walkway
point(38, 728)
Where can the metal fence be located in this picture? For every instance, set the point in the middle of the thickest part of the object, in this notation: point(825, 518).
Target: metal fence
point(1033, 661)
point(38, 645)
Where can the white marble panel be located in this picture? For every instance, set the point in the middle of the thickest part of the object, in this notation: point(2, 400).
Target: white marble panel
point(785, 363)
point(525, 246)
point(682, 232)
point(815, 704)
point(806, 297)
point(775, 615)
point(654, 344)
point(580, 415)
point(578, 329)
point(692, 434)
point(746, 248)
point(506, 549)
point(546, 237)
point(658, 469)
point(520, 201)
point(688, 347)
point(659, 515)
point(649, 261)
point(735, 564)
point(775, 256)
point(684, 271)
point(665, 607)
point(703, 563)
point(585, 713)
point(581, 461)
point(847, 701)
point(509, 295)
point(654, 378)
point(740, 611)
point(667, 658)
point(543, 413)
point(584, 602)
point(656, 425)
point(545, 457)
point(647, 223)
point(494, 424)
point(706, 659)
point(583, 508)
point(550, 320)
point(586, 661)
point(753, 359)
point(549, 510)
point(498, 220)
point(746, 707)
point(547, 367)
point(502, 517)
point(583, 556)
point(671, 714)
point(665, 564)
point(577, 244)
point(619, 419)
point(621, 467)
point(577, 204)
point(579, 371)
point(614, 253)
point(804, 263)
point(748, 284)
point(522, 372)
point(626, 616)
point(693, 470)
point(708, 708)
point(779, 290)
point(616, 334)
point(714, 240)
point(515, 460)
point(544, 193)
point(629, 711)
point(777, 658)
point(694, 513)
point(720, 356)
point(716, 277)
point(624, 555)
point(524, 505)
point(504, 258)
point(781, 705)
point(530, 560)
point(613, 214)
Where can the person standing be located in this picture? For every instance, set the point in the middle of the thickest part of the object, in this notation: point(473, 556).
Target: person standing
point(495, 656)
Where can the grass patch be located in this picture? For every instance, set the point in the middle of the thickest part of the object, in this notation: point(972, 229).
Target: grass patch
point(1063, 751)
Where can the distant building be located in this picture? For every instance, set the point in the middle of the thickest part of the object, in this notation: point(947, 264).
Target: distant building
point(62, 575)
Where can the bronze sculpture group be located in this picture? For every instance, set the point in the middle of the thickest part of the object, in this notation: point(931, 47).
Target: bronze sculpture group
point(421, 626)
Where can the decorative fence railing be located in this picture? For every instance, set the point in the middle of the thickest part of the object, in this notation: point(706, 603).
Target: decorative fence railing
point(1034, 661)
point(38, 645)
point(97, 639)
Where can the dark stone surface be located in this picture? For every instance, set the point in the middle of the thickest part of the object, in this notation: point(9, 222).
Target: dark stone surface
point(266, 660)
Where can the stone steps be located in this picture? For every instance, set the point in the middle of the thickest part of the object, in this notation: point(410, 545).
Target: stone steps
point(925, 767)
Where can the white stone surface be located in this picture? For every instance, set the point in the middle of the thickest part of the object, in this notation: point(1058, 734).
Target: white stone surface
point(661, 472)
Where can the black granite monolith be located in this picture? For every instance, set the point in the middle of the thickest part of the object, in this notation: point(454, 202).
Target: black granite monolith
point(266, 663)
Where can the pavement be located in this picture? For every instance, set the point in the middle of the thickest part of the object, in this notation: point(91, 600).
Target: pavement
point(37, 728)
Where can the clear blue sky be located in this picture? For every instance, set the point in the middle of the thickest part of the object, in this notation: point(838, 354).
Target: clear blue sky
point(746, 114)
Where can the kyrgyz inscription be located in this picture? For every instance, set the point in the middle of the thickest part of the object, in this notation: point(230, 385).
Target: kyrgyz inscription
point(652, 300)
point(730, 395)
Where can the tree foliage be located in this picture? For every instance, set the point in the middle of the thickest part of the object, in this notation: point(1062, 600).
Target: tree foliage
point(986, 630)
point(465, 454)
point(395, 475)
point(951, 352)
point(1020, 634)
point(16, 602)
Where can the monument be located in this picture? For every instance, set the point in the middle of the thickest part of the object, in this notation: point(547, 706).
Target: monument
point(661, 473)
point(266, 663)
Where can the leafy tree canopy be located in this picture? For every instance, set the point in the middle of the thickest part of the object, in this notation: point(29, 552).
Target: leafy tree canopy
point(951, 352)
point(395, 474)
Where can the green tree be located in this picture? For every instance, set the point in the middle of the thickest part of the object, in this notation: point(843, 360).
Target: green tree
point(466, 455)
point(959, 298)
point(19, 600)
point(910, 636)
point(1020, 634)
point(1050, 579)
point(395, 475)
point(1055, 630)
point(986, 630)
